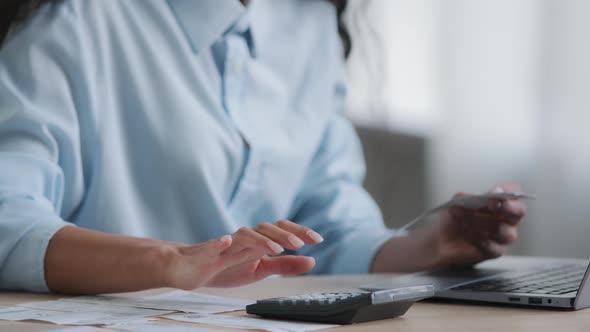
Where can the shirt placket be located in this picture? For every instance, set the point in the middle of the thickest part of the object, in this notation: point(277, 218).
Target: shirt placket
point(235, 101)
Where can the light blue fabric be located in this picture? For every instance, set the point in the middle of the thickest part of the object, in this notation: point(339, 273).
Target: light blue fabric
point(179, 120)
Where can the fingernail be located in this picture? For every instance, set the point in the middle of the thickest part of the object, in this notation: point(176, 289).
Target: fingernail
point(275, 247)
point(317, 238)
point(225, 238)
point(295, 241)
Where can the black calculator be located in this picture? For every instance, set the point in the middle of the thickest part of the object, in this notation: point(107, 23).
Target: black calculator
point(342, 307)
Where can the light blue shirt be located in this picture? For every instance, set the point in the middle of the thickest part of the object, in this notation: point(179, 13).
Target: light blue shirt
point(179, 120)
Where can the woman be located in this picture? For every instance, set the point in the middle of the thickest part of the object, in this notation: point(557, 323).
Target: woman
point(131, 130)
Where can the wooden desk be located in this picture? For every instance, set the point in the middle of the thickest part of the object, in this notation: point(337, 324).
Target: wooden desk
point(422, 316)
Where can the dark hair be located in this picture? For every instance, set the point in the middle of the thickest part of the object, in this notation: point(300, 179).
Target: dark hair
point(14, 11)
point(342, 31)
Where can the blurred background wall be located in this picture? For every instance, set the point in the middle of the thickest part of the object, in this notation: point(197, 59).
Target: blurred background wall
point(486, 91)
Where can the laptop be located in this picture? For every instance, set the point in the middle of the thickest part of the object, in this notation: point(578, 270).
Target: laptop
point(523, 281)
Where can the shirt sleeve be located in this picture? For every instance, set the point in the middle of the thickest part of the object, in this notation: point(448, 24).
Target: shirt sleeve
point(39, 144)
point(333, 202)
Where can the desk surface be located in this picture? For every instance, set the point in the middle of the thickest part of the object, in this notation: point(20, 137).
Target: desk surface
point(422, 316)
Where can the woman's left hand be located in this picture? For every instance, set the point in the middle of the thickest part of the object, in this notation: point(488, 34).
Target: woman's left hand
point(467, 237)
point(284, 234)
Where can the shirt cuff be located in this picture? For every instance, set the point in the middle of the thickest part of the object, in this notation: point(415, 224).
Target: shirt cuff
point(24, 267)
point(356, 256)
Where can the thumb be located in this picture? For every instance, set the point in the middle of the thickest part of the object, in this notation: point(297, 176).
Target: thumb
point(211, 247)
point(284, 265)
point(459, 195)
point(506, 187)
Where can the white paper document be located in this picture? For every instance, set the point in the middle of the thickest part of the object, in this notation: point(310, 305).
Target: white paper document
point(16, 313)
point(7, 310)
point(106, 319)
point(47, 316)
point(68, 306)
point(178, 300)
point(251, 323)
point(157, 327)
point(77, 329)
point(65, 318)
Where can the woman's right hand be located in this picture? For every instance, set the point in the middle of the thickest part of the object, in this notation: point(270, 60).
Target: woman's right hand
point(243, 257)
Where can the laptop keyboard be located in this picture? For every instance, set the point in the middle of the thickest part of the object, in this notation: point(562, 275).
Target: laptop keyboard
point(562, 279)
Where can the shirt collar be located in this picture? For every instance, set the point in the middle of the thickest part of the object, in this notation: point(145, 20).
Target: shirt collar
point(204, 21)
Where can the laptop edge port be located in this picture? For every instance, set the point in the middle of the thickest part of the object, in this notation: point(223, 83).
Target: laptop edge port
point(514, 299)
point(535, 300)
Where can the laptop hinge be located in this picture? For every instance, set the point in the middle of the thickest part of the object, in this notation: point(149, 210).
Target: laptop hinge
point(583, 297)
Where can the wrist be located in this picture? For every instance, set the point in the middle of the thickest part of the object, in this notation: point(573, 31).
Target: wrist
point(431, 238)
point(163, 259)
point(416, 251)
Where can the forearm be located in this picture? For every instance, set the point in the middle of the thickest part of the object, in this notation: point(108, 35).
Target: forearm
point(84, 261)
point(416, 252)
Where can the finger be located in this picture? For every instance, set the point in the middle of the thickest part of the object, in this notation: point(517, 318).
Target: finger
point(500, 232)
point(469, 256)
point(222, 243)
point(492, 249)
point(247, 238)
point(506, 187)
point(476, 220)
point(465, 223)
point(511, 211)
point(266, 266)
point(284, 265)
point(279, 235)
point(308, 235)
point(478, 235)
point(470, 225)
point(458, 213)
point(478, 227)
point(514, 211)
point(460, 194)
point(506, 234)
